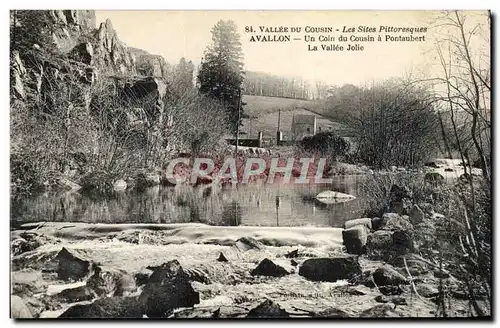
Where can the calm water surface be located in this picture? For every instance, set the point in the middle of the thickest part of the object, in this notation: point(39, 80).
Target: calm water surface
point(256, 205)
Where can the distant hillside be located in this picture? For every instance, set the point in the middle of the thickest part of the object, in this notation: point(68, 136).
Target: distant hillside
point(260, 105)
point(263, 112)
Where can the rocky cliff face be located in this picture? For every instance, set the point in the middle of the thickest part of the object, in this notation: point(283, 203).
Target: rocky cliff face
point(84, 53)
point(150, 65)
point(111, 54)
point(74, 32)
point(68, 25)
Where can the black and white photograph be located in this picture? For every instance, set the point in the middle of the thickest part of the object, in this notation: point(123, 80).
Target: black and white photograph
point(250, 164)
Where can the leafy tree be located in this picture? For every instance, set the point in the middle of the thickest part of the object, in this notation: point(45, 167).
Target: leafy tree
point(221, 72)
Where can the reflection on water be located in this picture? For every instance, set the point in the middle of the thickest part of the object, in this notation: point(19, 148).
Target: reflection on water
point(257, 204)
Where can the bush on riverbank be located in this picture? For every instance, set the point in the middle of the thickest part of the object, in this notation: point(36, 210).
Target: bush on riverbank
point(455, 232)
point(326, 144)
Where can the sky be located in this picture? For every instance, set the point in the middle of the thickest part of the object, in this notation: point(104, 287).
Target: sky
point(176, 34)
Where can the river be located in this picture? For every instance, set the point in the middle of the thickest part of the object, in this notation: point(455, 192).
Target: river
point(249, 205)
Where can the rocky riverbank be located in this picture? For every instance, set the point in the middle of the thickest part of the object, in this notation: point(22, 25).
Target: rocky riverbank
point(193, 270)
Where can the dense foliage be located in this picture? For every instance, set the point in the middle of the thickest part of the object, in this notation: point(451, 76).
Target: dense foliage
point(326, 144)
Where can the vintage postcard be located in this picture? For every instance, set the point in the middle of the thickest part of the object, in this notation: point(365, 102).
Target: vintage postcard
point(250, 164)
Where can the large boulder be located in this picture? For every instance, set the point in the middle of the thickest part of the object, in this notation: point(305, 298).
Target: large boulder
point(26, 242)
point(378, 243)
point(377, 223)
point(382, 299)
point(19, 310)
point(76, 294)
point(106, 281)
point(363, 221)
point(268, 268)
point(354, 239)
point(427, 290)
point(402, 242)
point(71, 265)
point(106, 308)
point(331, 269)
point(394, 222)
point(386, 275)
point(168, 288)
point(268, 309)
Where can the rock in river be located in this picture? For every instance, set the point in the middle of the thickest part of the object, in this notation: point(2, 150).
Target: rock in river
point(332, 197)
point(77, 294)
point(331, 269)
point(267, 309)
point(106, 308)
point(267, 268)
point(363, 221)
point(168, 288)
point(70, 265)
point(107, 281)
point(354, 239)
point(247, 243)
point(222, 258)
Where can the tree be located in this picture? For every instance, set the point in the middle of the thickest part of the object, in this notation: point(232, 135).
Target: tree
point(221, 73)
point(392, 123)
point(463, 49)
point(183, 77)
point(464, 89)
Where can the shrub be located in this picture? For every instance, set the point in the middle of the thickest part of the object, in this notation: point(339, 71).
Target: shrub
point(98, 183)
point(325, 143)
